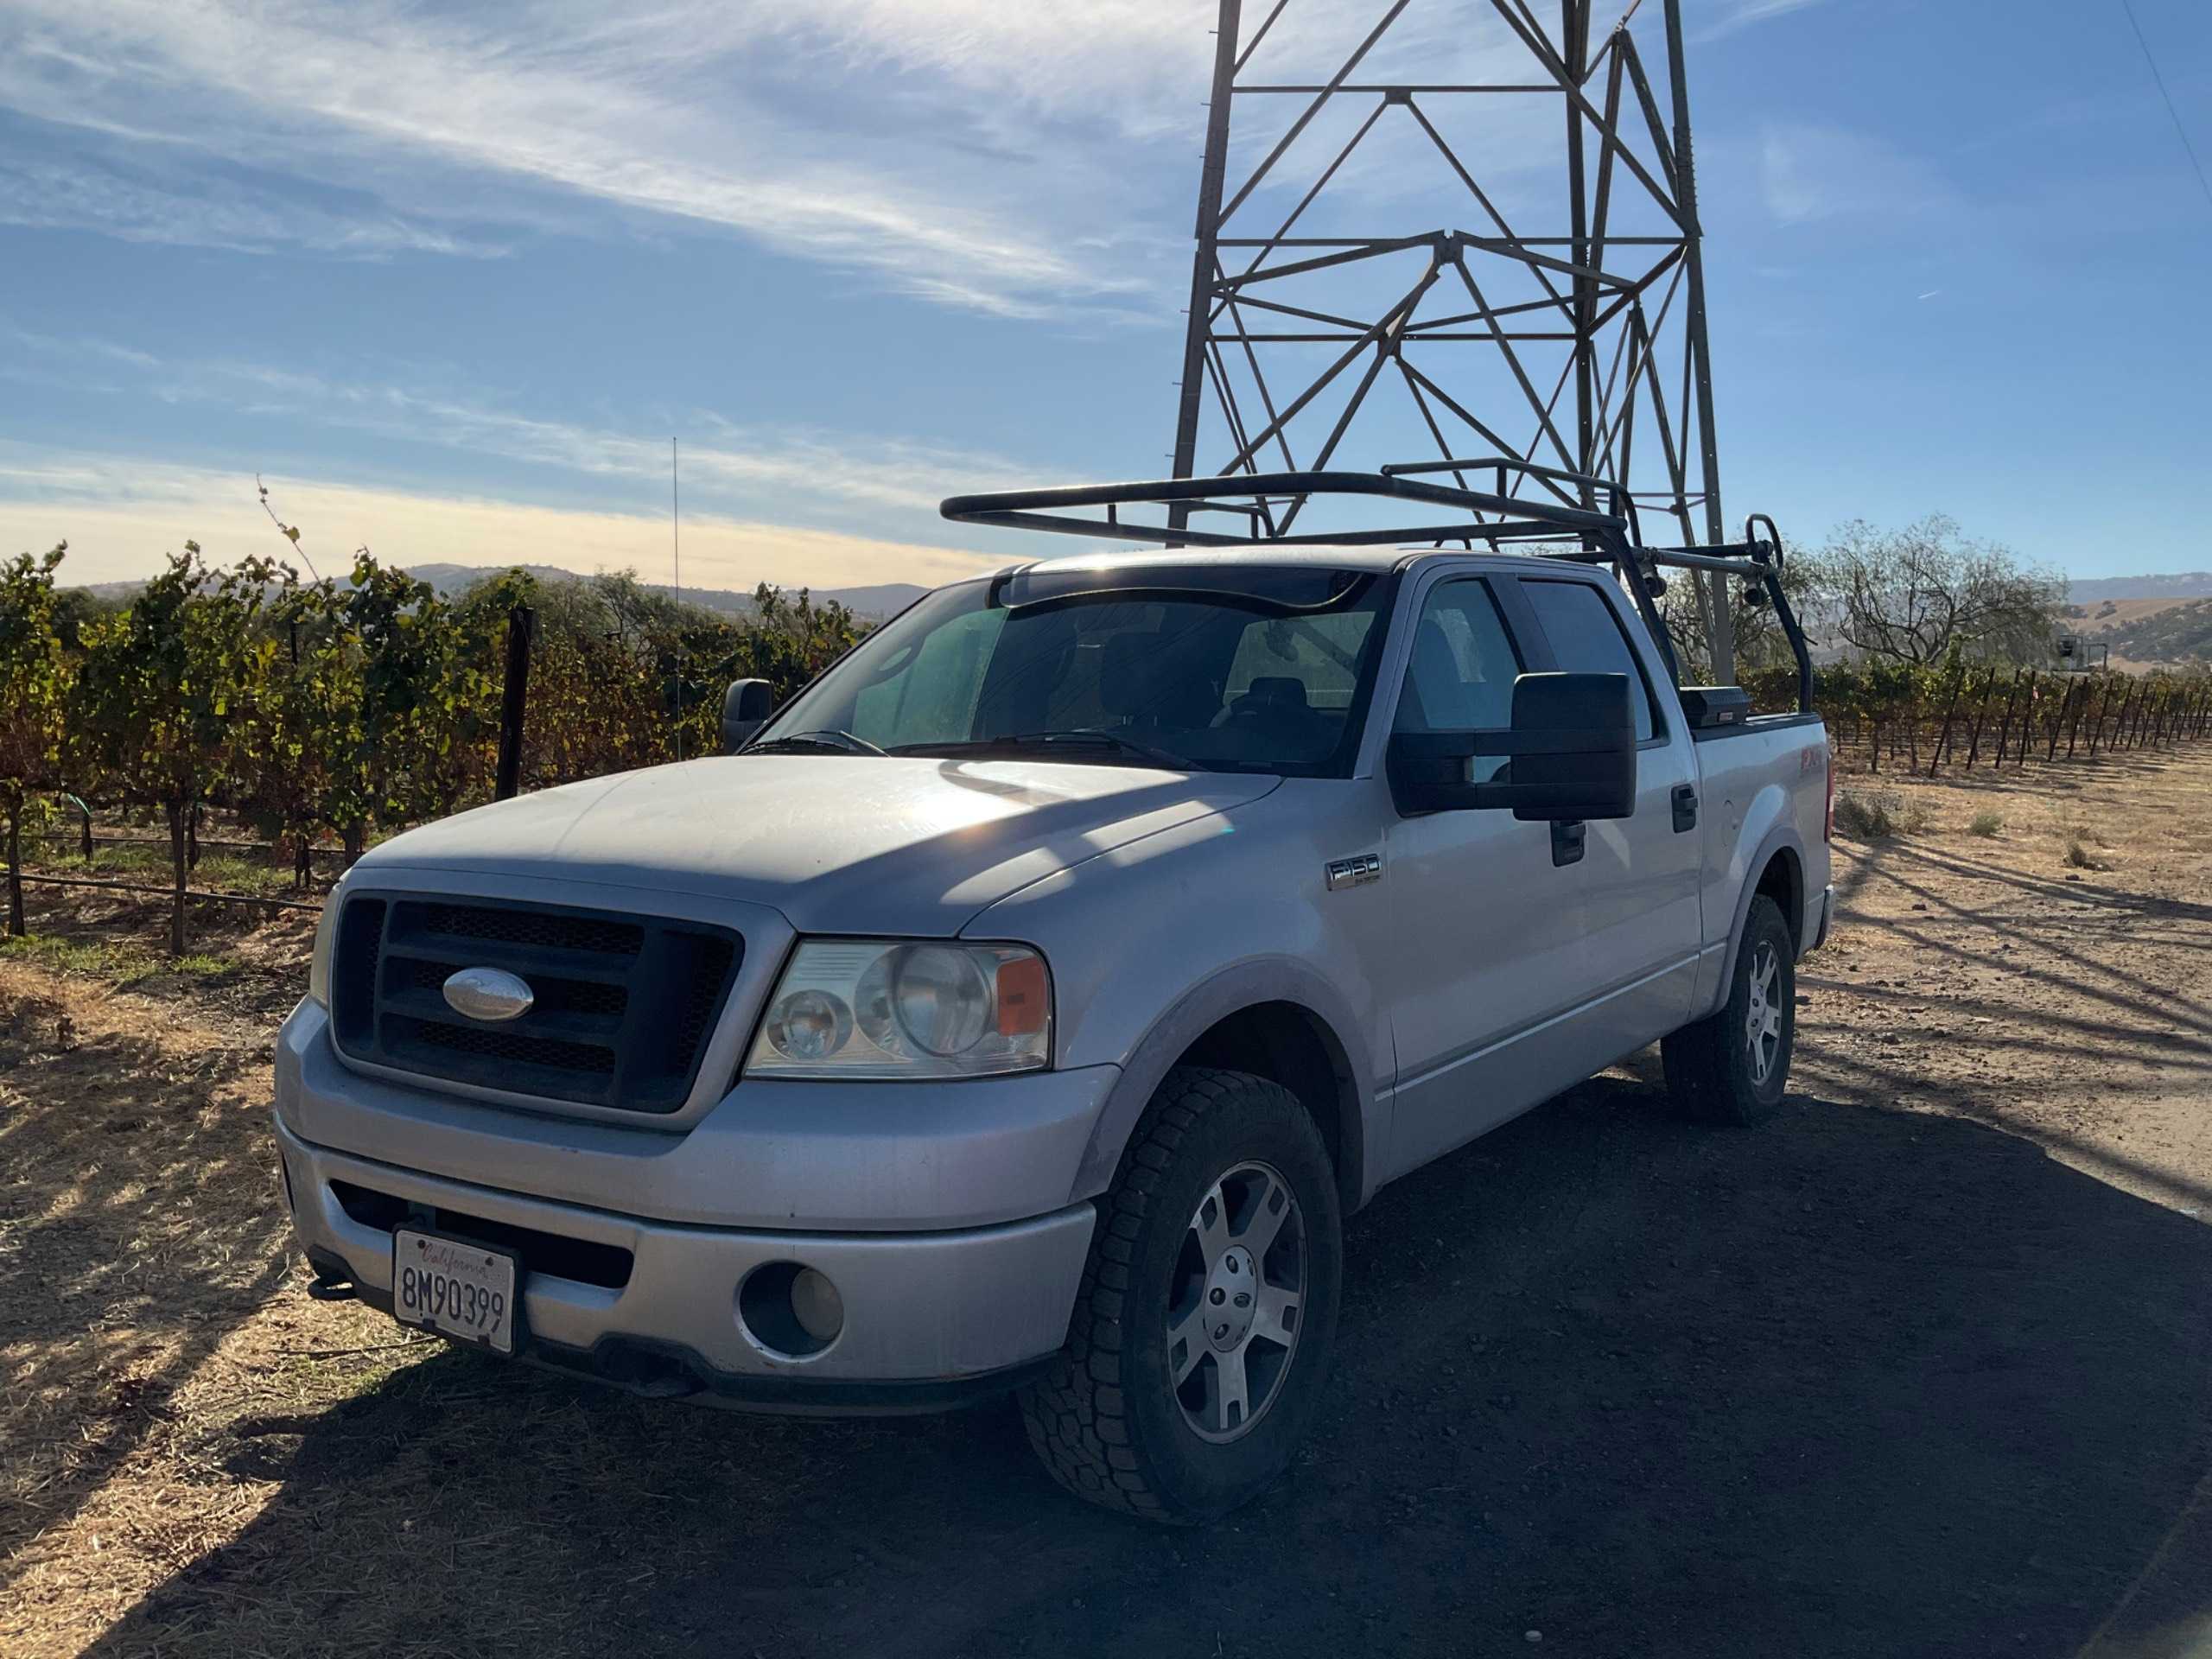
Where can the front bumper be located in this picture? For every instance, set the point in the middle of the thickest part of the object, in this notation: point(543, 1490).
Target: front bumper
point(930, 1317)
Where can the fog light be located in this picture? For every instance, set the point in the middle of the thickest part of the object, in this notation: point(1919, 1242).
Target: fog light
point(789, 1311)
point(816, 1306)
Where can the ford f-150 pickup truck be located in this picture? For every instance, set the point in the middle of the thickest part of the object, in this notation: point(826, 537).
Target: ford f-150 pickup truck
point(1026, 1005)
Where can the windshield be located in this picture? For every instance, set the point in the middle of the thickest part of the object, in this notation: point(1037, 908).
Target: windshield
point(1264, 670)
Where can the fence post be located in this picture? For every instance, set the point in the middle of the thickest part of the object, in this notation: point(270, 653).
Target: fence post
point(521, 624)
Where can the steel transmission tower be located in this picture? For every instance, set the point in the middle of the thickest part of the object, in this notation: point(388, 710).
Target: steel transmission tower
point(1319, 337)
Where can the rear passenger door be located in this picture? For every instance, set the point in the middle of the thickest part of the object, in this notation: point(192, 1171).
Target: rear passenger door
point(1639, 893)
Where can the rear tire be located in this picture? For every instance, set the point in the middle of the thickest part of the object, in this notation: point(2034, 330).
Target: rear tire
point(1202, 1333)
point(1733, 1066)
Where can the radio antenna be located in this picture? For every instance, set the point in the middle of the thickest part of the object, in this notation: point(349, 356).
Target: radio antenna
point(676, 544)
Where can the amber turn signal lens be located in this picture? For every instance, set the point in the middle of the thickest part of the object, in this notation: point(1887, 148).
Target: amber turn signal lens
point(1025, 998)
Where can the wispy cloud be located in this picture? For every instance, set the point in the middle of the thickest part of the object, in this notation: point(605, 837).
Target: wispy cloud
point(79, 194)
point(1025, 160)
point(676, 111)
point(841, 483)
point(119, 515)
point(1810, 173)
point(1729, 17)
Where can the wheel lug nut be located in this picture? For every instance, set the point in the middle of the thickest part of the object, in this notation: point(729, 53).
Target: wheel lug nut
point(1243, 1300)
point(1217, 1296)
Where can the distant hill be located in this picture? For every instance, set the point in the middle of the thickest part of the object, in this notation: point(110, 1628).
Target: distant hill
point(2177, 632)
point(2187, 584)
point(885, 599)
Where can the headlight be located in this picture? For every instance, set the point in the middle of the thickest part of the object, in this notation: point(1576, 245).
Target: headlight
point(887, 1008)
point(326, 940)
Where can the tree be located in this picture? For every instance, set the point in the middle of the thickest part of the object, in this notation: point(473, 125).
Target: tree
point(34, 692)
point(1919, 593)
point(167, 690)
point(1760, 643)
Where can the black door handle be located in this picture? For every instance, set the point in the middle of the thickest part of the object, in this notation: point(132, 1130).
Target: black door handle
point(1685, 807)
point(1569, 838)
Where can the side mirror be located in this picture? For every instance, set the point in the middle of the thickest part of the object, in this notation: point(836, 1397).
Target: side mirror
point(746, 708)
point(1572, 749)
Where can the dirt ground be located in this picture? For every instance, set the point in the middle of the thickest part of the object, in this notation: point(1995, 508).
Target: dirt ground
point(1924, 1367)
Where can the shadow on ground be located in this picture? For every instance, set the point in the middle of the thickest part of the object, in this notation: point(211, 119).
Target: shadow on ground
point(136, 1232)
point(1859, 1383)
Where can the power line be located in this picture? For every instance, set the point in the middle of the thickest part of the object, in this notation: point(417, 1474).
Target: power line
point(2180, 131)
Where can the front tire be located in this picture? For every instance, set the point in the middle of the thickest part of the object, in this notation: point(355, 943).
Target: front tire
point(1733, 1066)
point(1202, 1333)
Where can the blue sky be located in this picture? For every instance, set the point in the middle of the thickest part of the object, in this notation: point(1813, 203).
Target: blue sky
point(450, 278)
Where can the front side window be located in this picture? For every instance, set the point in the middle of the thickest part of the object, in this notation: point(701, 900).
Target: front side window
point(1460, 676)
point(1217, 669)
point(1586, 637)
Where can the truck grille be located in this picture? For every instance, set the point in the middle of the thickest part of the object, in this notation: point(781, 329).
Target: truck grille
point(622, 1005)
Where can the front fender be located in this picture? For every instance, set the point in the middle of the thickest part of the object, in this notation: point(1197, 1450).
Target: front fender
point(1188, 1017)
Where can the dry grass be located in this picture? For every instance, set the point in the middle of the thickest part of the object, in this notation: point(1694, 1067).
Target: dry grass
point(138, 1254)
point(1877, 814)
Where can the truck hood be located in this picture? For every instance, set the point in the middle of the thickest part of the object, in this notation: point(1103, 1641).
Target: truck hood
point(903, 845)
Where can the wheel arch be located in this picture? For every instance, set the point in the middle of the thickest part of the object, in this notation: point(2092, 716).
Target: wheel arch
point(1276, 1019)
point(1777, 872)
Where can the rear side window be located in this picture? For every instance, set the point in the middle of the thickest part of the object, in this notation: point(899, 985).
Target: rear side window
point(1586, 638)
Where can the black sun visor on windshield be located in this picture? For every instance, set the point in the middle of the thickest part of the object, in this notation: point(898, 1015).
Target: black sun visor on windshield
point(1270, 589)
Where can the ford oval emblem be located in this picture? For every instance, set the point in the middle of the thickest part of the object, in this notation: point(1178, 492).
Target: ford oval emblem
point(488, 994)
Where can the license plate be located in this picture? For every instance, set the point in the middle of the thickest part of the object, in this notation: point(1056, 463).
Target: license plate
point(456, 1289)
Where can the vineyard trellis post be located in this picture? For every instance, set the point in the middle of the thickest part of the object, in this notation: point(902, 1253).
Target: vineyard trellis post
point(522, 623)
point(2027, 725)
point(2005, 725)
point(1943, 737)
point(1981, 715)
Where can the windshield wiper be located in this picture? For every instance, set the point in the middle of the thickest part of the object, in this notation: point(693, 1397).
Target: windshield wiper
point(1074, 740)
point(841, 742)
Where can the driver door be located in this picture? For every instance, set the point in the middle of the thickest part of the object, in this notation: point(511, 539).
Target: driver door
point(1486, 927)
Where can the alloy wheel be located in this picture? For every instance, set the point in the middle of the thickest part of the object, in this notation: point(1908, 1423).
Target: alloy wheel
point(1234, 1303)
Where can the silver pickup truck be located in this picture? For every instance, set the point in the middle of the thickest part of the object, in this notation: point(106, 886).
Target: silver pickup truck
point(1025, 1006)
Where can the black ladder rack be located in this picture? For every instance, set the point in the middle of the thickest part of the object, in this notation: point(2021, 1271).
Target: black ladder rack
point(1268, 503)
